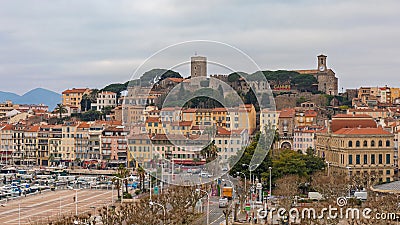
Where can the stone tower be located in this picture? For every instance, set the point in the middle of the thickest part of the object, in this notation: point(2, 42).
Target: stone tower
point(198, 66)
point(322, 63)
point(327, 80)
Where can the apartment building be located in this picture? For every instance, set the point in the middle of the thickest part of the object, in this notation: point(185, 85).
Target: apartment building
point(73, 97)
point(106, 99)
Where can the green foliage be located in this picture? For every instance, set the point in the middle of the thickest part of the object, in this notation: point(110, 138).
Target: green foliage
point(90, 115)
point(300, 100)
point(328, 99)
point(116, 88)
point(303, 82)
point(149, 77)
point(233, 77)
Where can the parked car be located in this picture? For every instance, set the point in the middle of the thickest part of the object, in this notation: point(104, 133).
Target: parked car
point(223, 202)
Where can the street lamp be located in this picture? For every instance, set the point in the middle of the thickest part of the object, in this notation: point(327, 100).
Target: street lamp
point(327, 163)
point(208, 205)
point(245, 181)
point(349, 168)
point(164, 212)
point(76, 199)
point(270, 181)
point(250, 169)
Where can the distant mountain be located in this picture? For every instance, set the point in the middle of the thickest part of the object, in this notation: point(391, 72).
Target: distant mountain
point(35, 96)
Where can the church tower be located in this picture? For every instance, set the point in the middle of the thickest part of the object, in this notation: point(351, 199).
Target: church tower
point(322, 63)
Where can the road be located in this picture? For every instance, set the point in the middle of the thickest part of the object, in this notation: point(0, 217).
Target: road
point(50, 204)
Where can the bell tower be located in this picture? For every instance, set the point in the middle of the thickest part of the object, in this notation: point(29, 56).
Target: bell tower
point(322, 63)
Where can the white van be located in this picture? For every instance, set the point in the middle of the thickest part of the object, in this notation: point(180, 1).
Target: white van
point(362, 195)
point(315, 196)
point(223, 202)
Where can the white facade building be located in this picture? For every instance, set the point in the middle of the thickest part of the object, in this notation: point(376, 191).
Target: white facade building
point(106, 98)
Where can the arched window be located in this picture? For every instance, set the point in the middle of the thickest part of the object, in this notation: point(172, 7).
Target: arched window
point(380, 143)
point(350, 144)
point(357, 143)
point(387, 143)
point(372, 143)
point(365, 144)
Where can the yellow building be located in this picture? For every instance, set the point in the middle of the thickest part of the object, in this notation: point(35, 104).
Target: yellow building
point(31, 144)
point(395, 92)
point(73, 97)
point(6, 107)
point(54, 141)
point(6, 143)
point(139, 148)
point(68, 143)
point(219, 117)
point(268, 117)
point(358, 152)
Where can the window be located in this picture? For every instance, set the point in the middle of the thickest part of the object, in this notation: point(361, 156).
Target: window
point(387, 159)
point(357, 159)
point(387, 172)
point(372, 143)
point(365, 159)
point(380, 143)
point(387, 143)
point(357, 143)
point(350, 144)
point(365, 144)
point(380, 159)
point(373, 159)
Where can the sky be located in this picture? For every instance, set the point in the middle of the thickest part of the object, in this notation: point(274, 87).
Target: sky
point(57, 44)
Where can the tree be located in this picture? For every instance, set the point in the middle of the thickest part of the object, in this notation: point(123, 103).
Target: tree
point(60, 109)
point(86, 103)
point(142, 174)
point(106, 111)
point(210, 152)
point(123, 172)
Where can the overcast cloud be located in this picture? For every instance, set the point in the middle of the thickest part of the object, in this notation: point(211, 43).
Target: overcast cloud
point(64, 44)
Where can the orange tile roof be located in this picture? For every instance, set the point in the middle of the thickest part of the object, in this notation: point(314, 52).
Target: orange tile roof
point(362, 131)
point(364, 123)
point(33, 129)
point(183, 123)
point(219, 109)
point(177, 80)
point(107, 93)
point(189, 110)
point(8, 127)
point(286, 113)
point(310, 113)
point(84, 125)
point(351, 116)
point(153, 120)
point(75, 90)
point(223, 131)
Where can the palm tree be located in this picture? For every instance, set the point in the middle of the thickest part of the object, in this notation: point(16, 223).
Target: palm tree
point(210, 152)
point(142, 173)
point(118, 186)
point(51, 159)
point(122, 172)
point(77, 161)
point(60, 109)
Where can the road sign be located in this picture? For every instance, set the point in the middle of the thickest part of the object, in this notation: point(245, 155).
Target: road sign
point(247, 207)
point(156, 190)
